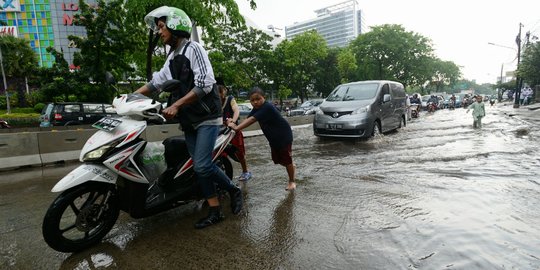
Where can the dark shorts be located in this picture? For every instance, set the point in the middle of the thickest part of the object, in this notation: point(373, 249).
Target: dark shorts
point(282, 156)
point(238, 142)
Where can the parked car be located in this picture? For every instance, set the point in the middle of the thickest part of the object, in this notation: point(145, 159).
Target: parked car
point(245, 109)
point(308, 107)
point(74, 113)
point(361, 109)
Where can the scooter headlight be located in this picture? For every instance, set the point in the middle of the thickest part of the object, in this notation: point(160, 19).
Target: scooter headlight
point(101, 151)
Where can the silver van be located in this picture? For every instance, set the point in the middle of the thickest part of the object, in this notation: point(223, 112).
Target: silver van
point(361, 110)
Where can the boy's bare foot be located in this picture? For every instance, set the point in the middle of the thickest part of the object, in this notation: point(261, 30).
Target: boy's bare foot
point(291, 186)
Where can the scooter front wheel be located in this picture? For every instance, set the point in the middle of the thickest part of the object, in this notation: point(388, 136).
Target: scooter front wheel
point(80, 217)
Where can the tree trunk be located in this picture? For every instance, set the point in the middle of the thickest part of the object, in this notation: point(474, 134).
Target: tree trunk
point(152, 41)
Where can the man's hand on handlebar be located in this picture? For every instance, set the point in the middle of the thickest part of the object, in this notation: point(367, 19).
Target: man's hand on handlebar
point(170, 112)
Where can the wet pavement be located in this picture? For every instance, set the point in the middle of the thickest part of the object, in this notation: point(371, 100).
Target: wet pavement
point(437, 194)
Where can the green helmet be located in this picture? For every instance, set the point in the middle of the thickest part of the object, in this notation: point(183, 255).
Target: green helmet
point(177, 20)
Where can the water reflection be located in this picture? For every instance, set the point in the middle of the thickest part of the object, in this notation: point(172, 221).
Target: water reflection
point(436, 194)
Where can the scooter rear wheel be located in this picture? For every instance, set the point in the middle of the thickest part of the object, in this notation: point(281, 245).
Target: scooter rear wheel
point(80, 217)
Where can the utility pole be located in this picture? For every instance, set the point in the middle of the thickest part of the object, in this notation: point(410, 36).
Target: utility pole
point(518, 79)
point(5, 82)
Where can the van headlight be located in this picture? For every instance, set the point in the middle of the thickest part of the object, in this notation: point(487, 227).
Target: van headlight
point(318, 110)
point(362, 110)
point(102, 150)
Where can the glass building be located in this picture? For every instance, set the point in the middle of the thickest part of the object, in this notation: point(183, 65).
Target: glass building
point(337, 24)
point(44, 23)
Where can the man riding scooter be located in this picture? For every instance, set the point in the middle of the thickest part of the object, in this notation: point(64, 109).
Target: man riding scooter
point(416, 103)
point(197, 104)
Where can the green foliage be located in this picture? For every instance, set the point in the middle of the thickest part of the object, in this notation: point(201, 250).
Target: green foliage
point(328, 73)
point(110, 40)
point(298, 62)
point(238, 55)
point(529, 67)
point(20, 120)
point(284, 92)
point(207, 14)
point(444, 74)
point(346, 64)
point(19, 61)
point(39, 107)
point(389, 52)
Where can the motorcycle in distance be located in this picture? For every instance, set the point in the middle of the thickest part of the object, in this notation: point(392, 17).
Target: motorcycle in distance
point(431, 106)
point(415, 109)
point(122, 171)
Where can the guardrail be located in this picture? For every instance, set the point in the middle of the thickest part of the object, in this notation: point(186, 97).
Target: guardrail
point(60, 144)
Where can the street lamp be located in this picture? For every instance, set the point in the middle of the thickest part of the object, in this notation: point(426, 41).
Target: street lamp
point(498, 45)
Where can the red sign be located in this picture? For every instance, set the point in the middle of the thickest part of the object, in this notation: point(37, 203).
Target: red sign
point(68, 19)
point(8, 31)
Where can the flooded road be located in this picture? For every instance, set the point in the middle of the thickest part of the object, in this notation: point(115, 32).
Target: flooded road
point(435, 195)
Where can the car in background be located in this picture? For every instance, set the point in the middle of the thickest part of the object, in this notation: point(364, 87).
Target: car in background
point(308, 107)
point(245, 108)
point(361, 109)
point(74, 113)
point(425, 99)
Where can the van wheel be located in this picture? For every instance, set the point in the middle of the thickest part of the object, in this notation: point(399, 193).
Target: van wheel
point(376, 130)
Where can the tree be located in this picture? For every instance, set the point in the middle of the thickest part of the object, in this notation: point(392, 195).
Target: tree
point(238, 54)
point(329, 73)
point(58, 83)
point(445, 73)
point(389, 52)
point(19, 61)
point(302, 56)
point(346, 65)
point(206, 14)
point(529, 67)
point(110, 40)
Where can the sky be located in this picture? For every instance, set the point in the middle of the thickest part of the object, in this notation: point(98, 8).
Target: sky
point(459, 30)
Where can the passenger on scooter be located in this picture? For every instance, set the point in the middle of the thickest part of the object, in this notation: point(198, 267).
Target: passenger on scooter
point(232, 112)
point(188, 62)
point(416, 100)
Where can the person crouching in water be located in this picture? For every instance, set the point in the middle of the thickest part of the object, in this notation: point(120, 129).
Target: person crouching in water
point(479, 111)
point(274, 127)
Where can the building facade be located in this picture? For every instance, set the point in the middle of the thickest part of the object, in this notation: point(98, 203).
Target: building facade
point(43, 23)
point(338, 24)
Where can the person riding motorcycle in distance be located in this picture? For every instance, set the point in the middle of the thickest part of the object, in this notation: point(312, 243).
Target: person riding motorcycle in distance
point(196, 104)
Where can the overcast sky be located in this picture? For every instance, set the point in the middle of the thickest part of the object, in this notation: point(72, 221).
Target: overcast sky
point(460, 30)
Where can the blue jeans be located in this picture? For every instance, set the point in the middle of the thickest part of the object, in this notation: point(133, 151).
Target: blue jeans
point(200, 144)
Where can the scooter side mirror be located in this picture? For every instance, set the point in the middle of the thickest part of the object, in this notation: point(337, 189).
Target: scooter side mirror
point(110, 78)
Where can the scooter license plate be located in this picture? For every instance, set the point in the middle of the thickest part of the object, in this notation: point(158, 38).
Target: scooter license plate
point(107, 123)
point(334, 126)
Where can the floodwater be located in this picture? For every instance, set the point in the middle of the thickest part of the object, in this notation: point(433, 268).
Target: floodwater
point(437, 194)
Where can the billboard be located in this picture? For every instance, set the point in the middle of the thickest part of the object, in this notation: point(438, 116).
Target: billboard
point(8, 31)
point(10, 5)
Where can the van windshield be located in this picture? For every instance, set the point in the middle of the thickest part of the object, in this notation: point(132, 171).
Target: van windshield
point(354, 92)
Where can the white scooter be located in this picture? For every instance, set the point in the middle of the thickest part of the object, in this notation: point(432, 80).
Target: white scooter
point(122, 171)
